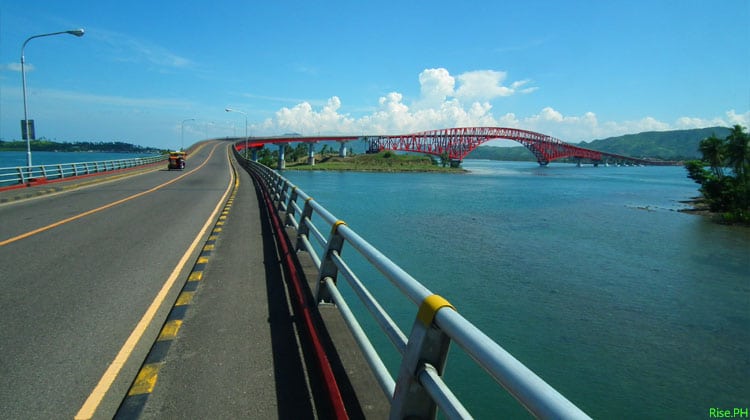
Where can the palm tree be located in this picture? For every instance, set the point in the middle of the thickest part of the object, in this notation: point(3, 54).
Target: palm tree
point(738, 155)
point(713, 151)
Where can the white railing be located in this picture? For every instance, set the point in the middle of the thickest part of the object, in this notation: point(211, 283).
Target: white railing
point(418, 390)
point(24, 174)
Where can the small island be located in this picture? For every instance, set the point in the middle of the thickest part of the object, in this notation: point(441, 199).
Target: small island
point(384, 161)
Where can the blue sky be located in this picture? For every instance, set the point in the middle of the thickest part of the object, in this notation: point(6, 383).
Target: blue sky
point(576, 70)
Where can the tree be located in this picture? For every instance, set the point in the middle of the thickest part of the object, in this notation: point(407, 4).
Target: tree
point(713, 149)
point(738, 158)
point(444, 158)
point(728, 194)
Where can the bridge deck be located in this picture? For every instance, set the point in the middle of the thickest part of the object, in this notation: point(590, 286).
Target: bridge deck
point(240, 351)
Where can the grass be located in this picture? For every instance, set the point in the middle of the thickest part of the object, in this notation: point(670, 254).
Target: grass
point(385, 161)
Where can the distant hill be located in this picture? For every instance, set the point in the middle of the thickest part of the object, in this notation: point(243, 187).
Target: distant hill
point(43, 145)
point(664, 145)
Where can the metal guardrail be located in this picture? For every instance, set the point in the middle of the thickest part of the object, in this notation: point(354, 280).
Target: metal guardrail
point(419, 389)
point(23, 174)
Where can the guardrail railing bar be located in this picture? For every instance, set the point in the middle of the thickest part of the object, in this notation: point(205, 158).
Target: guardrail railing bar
point(309, 248)
point(384, 321)
point(21, 174)
point(386, 382)
point(316, 233)
point(400, 278)
point(440, 393)
point(529, 389)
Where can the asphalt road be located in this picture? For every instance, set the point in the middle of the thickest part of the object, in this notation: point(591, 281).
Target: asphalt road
point(79, 270)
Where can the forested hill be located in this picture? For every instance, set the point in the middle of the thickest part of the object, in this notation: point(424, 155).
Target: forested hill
point(81, 146)
point(664, 145)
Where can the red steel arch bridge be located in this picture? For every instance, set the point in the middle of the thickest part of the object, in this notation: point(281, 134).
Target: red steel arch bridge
point(456, 143)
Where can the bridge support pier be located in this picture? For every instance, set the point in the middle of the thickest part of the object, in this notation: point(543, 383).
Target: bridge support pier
point(311, 154)
point(282, 162)
point(254, 154)
point(342, 149)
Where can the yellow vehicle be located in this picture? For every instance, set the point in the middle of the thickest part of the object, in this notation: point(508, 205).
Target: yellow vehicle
point(176, 160)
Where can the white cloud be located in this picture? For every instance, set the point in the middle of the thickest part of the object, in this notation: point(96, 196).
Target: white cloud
point(127, 48)
point(464, 101)
point(393, 116)
point(17, 67)
point(731, 117)
point(483, 85)
point(436, 85)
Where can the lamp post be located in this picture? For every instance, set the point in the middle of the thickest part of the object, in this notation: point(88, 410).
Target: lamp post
point(182, 133)
point(26, 133)
point(245, 114)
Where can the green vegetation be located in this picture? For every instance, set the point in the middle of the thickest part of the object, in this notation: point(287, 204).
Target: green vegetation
point(517, 153)
point(725, 185)
point(43, 145)
point(662, 145)
point(386, 161)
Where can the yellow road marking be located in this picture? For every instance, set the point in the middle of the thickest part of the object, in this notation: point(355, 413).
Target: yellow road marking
point(170, 329)
point(184, 298)
point(146, 380)
point(202, 260)
point(104, 207)
point(95, 398)
point(196, 275)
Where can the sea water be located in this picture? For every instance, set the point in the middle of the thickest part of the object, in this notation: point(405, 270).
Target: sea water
point(588, 275)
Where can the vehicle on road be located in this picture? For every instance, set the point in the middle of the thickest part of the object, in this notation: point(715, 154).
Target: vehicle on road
point(176, 160)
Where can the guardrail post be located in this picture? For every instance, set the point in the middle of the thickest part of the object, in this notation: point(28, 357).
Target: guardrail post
point(277, 188)
point(60, 170)
point(21, 177)
point(329, 269)
point(427, 345)
point(290, 211)
point(303, 229)
point(282, 197)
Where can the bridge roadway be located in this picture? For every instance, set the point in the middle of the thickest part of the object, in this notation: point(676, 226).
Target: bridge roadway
point(89, 276)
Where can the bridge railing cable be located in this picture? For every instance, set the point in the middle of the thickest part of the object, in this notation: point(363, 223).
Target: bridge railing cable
point(25, 174)
point(419, 389)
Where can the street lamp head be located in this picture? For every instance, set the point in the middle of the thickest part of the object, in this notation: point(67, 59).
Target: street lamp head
point(228, 109)
point(76, 32)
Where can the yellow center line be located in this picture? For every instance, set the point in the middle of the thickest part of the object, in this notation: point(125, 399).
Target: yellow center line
point(104, 207)
point(89, 408)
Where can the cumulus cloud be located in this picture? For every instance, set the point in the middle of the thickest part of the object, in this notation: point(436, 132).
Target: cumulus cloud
point(464, 101)
point(438, 85)
point(483, 85)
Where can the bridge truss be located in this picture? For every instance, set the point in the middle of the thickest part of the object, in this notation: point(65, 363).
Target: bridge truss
point(459, 142)
point(456, 143)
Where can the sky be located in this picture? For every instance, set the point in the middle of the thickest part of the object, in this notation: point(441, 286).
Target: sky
point(162, 73)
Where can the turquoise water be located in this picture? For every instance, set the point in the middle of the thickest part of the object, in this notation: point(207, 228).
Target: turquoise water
point(589, 276)
point(15, 159)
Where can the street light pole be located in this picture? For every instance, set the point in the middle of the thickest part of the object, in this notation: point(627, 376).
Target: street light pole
point(182, 133)
point(76, 32)
point(245, 114)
